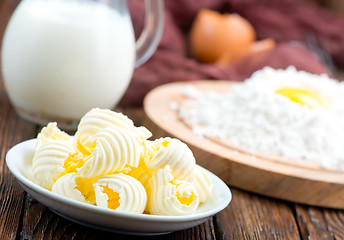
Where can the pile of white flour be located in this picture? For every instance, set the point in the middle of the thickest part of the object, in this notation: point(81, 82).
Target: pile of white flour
point(253, 115)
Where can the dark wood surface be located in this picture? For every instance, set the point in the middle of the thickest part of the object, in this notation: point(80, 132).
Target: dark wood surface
point(248, 216)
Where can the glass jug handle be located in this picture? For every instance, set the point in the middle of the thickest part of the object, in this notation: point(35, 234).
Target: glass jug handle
point(151, 34)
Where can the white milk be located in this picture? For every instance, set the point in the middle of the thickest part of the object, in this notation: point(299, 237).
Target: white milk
point(61, 58)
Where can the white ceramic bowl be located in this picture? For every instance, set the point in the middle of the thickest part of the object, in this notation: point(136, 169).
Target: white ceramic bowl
point(19, 161)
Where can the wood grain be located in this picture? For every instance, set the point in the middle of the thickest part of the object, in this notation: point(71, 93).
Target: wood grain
point(12, 131)
point(253, 172)
point(251, 214)
point(335, 223)
point(248, 216)
point(40, 223)
point(312, 223)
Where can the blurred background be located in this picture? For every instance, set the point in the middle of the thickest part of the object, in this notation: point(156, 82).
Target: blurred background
point(304, 33)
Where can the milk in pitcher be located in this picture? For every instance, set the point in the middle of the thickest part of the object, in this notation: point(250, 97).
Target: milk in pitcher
point(61, 58)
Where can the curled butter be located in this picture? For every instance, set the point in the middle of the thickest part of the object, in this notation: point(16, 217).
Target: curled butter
point(120, 192)
point(172, 152)
point(168, 196)
point(51, 132)
point(48, 161)
point(114, 149)
point(97, 119)
point(112, 164)
point(203, 184)
point(73, 186)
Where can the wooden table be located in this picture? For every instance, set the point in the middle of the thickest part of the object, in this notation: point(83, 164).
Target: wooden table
point(248, 216)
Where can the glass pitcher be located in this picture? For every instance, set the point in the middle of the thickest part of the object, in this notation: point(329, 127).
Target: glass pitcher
point(60, 58)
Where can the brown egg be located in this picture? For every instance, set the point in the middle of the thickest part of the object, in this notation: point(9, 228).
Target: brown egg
point(222, 38)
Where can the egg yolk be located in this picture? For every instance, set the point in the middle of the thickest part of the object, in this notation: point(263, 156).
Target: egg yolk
point(301, 96)
point(85, 186)
point(113, 197)
point(73, 162)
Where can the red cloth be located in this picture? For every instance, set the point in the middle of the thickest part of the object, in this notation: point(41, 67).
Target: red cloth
point(286, 21)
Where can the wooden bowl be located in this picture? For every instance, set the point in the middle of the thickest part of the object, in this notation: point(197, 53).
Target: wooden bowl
point(266, 174)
